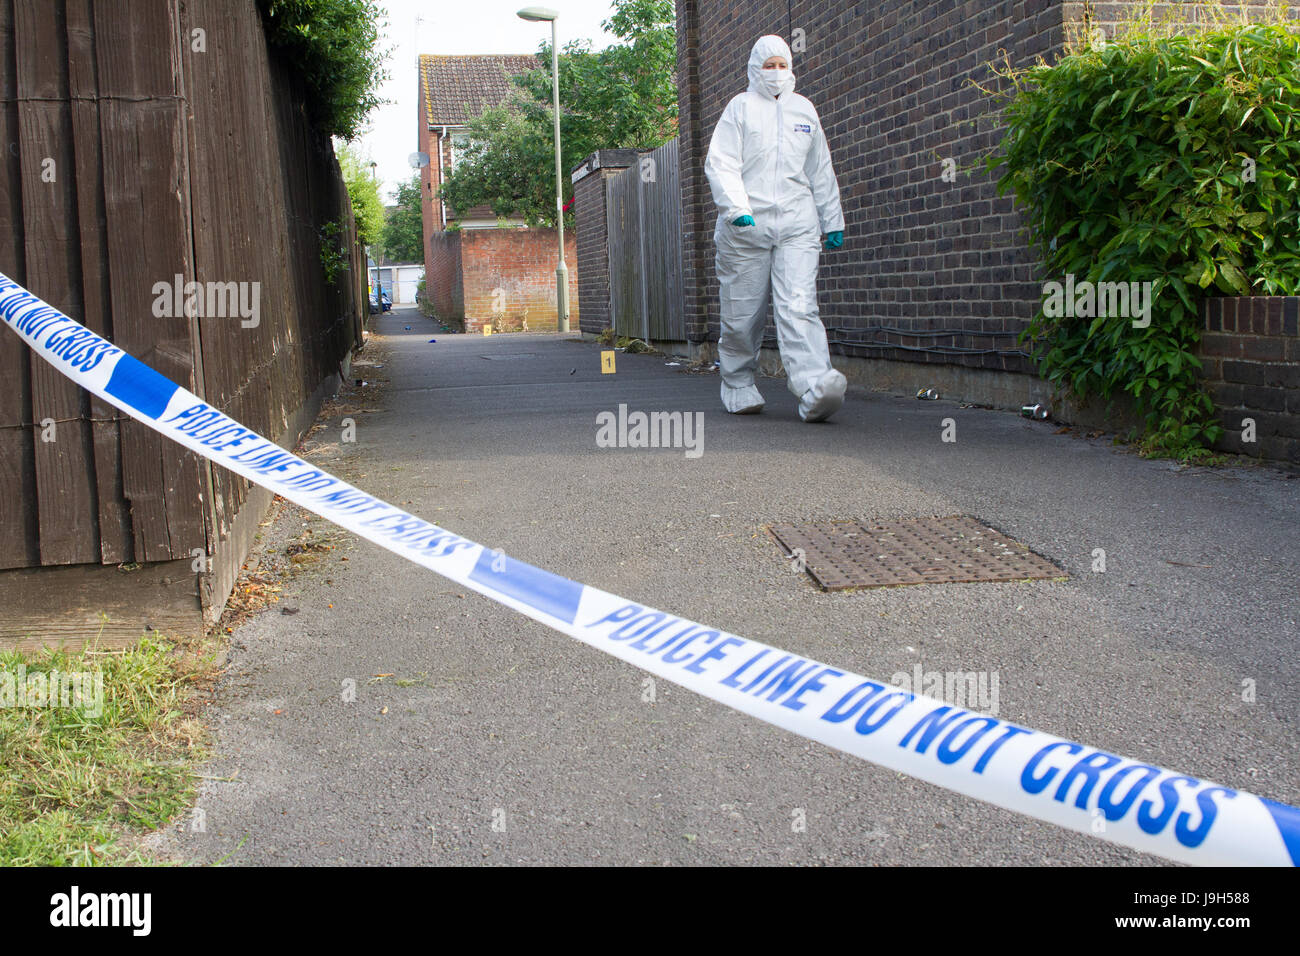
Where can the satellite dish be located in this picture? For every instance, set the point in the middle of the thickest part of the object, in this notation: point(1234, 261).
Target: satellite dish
point(418, 160)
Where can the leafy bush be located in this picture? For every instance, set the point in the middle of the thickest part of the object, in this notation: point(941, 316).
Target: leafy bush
point(1168, 159)
point(332, 46)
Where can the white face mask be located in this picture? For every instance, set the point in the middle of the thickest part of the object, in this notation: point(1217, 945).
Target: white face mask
point(775, 81)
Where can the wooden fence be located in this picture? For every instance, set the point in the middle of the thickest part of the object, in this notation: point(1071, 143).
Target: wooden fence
point(643, 206)
point(150, 142)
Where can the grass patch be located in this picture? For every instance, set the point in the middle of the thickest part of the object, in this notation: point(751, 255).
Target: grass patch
point(81, 783)
point(1202, 457)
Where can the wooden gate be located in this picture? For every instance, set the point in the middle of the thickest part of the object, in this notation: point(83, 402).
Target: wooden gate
point(644, 226)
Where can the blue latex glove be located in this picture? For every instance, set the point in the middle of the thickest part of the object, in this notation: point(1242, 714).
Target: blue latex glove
point(744, 221)
point(834, 240)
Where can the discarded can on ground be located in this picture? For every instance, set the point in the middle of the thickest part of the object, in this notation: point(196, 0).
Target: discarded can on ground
point(1039, 412)
point(928, 394)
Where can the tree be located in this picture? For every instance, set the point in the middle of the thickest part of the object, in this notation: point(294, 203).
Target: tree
point(367, 209)
point(624, 96)
point(332, 47)
point(403, 236)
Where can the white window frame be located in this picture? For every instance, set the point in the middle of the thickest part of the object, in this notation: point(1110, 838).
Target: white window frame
point(459, 140)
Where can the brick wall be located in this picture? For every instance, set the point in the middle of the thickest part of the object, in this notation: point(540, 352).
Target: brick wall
point(1108, 13)
point(443, 284)
point(1250, 349)
point(505, 277)
point(433, 143)
point(928, 265)
point(430, 208)
point(589, 209)
point(931, 271)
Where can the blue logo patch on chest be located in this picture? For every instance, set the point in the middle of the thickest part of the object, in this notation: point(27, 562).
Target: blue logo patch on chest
point(802, 128)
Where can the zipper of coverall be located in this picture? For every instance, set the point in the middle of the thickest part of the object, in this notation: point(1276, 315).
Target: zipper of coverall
point(776, 191)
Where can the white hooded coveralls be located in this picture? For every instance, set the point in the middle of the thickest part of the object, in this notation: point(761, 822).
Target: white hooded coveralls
point(769, 159)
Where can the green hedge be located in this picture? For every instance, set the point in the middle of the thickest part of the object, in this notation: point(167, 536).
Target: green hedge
point(332, 46)
point(1162, 159)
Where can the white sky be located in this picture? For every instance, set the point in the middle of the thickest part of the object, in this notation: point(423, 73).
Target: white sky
point(455, 27)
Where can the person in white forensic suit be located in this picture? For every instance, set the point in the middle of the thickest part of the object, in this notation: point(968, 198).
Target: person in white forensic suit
point(769, 168)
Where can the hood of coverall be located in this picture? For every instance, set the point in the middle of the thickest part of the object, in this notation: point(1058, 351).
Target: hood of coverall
point(767, 47)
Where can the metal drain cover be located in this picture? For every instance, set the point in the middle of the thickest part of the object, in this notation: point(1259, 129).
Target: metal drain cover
point(851, 554)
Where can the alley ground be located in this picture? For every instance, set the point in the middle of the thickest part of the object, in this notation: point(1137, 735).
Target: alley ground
point(481, 737)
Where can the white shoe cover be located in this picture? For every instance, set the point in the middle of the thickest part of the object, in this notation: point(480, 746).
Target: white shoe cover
point(824, 399)
point(742, 401)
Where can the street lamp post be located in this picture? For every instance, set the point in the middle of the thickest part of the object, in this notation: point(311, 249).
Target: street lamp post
point(543, 14)
point(379, 262)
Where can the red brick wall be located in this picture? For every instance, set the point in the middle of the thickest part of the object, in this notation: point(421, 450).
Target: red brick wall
point(443, 283)
point(433, 143)
point(429, 207)
point(509, 278)
point(441, 254)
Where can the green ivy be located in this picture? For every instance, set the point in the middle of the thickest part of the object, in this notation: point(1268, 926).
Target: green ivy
point(332, 258)
point(1168, 159)
point(332, 47)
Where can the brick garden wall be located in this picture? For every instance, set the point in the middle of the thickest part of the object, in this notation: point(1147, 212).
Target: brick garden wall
point(443, 284)
point(1250, 350)
point(471, 265)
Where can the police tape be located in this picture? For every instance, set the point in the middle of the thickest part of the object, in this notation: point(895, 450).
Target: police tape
point(1081, 788)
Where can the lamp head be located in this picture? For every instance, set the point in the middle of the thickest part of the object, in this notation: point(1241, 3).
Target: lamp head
point(542, 14)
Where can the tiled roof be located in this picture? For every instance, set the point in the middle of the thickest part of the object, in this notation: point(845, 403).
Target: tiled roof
point(458, 88)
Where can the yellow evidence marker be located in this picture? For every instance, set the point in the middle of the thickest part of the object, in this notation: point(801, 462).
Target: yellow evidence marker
point(487, 329)
point(607, 362)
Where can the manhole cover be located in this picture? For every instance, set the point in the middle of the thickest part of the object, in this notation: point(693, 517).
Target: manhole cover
point(851, 554)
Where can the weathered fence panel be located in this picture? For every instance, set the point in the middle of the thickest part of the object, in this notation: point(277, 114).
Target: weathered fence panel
point(643, 206)
point(132, 156)
point(626, 289)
